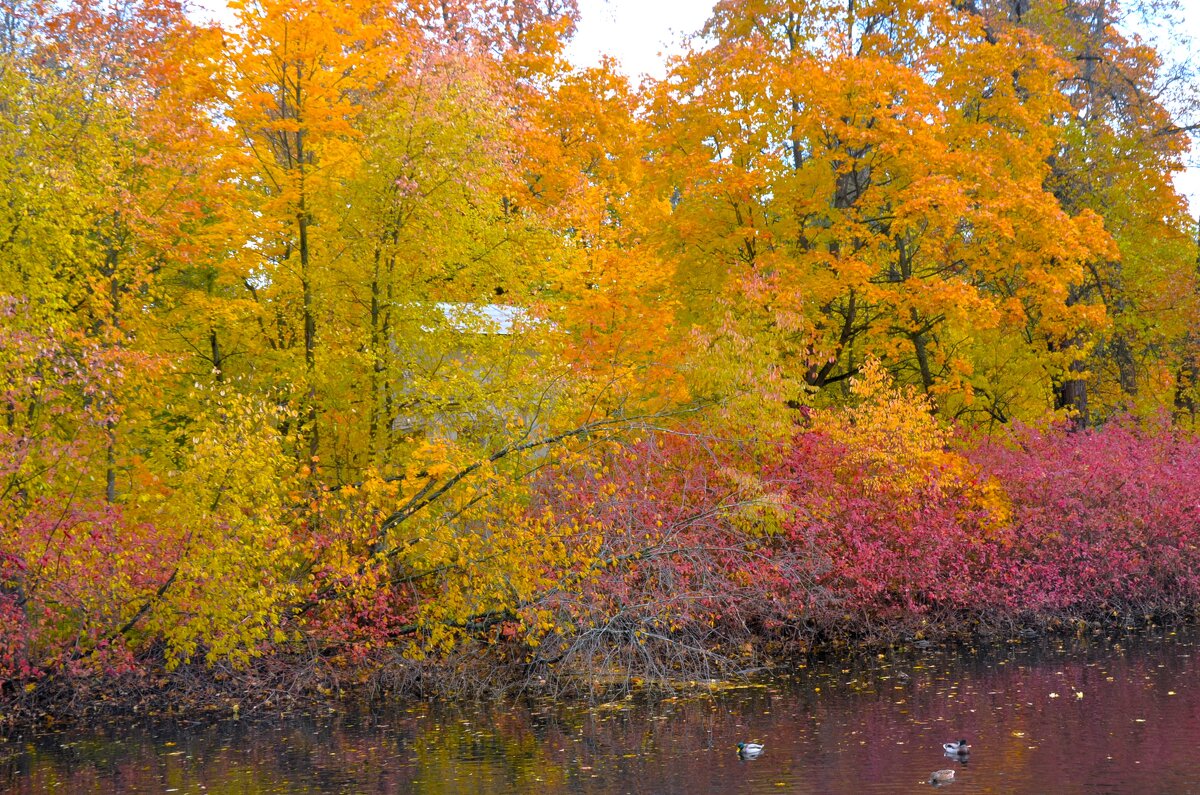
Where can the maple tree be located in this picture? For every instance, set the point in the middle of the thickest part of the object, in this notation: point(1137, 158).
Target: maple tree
point(848, 184)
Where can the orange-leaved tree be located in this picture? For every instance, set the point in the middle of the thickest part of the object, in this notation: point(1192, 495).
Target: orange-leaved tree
point(870, 179)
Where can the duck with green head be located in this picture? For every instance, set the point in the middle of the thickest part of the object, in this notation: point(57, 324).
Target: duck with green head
point(749, 750)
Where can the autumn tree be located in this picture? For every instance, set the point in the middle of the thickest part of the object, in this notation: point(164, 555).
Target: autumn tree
point(530, 28)
point(357, 327)
point(869, 179)
point(1124, 138)
point(300, 75)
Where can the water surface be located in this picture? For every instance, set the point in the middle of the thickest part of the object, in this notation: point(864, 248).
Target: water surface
point(1087, 715)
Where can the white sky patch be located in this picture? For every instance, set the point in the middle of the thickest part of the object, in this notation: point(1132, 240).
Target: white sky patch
point(639, 34)
point(211, 11)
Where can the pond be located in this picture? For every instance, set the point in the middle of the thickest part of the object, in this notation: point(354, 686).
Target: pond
point(1097, 714)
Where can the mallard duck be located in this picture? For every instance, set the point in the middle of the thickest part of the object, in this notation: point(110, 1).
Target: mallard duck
point(749, 750)
point(960, 748)
point(941, 777)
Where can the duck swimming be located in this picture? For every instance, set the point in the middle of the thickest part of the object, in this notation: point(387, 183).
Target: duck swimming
point(960, 748)
point(939, 777)
point(749, 750)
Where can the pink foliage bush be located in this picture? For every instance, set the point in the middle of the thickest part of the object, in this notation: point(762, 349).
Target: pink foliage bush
point(14, 631)
point(892, 554)
point(1031, 525)
point(1102, 520)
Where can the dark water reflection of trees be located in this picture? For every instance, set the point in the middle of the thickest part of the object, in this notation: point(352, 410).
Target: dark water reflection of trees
point(1092, 715)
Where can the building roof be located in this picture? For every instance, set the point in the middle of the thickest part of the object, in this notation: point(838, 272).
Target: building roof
point(485, 318)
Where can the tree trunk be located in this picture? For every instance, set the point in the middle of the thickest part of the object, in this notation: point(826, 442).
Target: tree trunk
point(1073, 396)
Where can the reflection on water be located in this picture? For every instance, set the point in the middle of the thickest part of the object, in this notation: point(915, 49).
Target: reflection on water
point(1099, 715)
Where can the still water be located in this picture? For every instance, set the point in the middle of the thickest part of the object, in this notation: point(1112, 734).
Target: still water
point(1091, 715)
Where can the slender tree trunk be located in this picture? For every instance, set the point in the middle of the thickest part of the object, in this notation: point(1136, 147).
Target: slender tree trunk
point(110, 464)
point(376, 359)
point(921, 348)
point(1072, 392)
point(310, 320)
point(214, 348)
point(389, 406)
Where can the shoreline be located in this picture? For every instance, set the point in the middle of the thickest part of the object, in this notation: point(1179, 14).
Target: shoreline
point(276, 688)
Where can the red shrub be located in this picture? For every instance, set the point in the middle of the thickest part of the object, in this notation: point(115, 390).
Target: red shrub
point(893, 553)
point(1102, 519)
point(706, 539)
